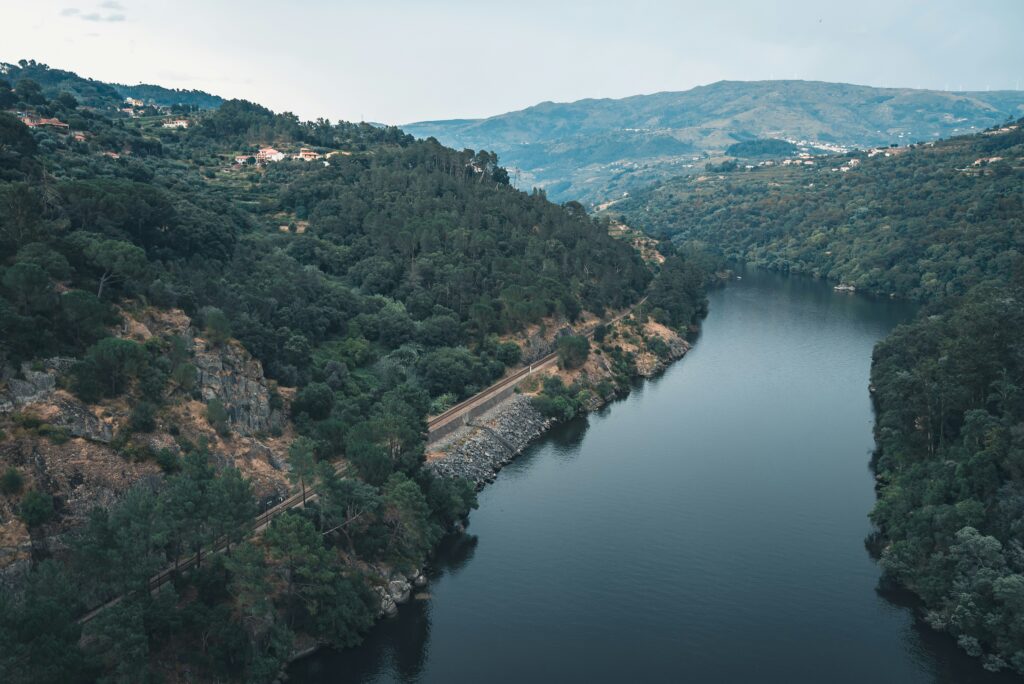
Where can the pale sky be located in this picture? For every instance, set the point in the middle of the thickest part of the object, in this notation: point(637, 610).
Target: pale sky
point(398, 61)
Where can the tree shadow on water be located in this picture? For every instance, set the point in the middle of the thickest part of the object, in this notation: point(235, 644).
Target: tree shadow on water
point(936, 651)
point(395, 649)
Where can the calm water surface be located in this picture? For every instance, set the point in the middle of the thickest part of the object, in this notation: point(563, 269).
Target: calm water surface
point(709, 528)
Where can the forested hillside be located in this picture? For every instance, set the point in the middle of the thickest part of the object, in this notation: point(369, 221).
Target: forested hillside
point(924, 222)
point(595, 150)
point(142, 265)
point(109, 96)
point(942, 223)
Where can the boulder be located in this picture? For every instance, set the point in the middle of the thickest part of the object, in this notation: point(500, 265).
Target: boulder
point(399, 590)
point(388, 608)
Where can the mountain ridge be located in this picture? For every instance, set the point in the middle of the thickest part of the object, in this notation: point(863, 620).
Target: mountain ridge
point(587, 149)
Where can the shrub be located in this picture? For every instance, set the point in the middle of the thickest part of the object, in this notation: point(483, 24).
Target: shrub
point(509, 353)
point(216, 326)
point(36, 508)
point(573, 351)
point(168, 461)
point(217, 416)
point(315, 400)
point(11, 481)
point(143, 418)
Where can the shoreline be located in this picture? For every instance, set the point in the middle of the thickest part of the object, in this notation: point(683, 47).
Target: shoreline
point(480, 448)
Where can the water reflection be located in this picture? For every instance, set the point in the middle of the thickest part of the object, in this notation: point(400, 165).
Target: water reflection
point(711, 527)
point(398, 647)
point(937, 651)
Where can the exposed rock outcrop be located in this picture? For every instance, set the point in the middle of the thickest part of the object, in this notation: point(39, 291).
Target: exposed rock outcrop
point(230, 374)
point(32, 384)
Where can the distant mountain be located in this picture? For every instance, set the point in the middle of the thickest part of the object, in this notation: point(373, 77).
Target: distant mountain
point(594, 150)
point(98, 94)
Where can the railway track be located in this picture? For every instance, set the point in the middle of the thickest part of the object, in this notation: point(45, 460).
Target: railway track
point(156, 582)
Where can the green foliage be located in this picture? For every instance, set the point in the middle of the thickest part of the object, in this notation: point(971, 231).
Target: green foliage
point(143, 417)
point(414, 259)
point(302, 462)
point(412, 533)
point(762, 147)
point(107, 368)
point(39, 631)
point(677, 295)
point(925, 224)
point(950, 435)
point(558, 401)
point(218, 418)
point(36, 508)
point(11, 481)
point(216, 326)
point(573, 351)
point(315, 400)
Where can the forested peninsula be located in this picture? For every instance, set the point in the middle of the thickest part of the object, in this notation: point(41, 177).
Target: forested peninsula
point(941, 223)
point(208, 307)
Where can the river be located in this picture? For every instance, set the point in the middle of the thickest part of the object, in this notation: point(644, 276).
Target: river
point(708, 528)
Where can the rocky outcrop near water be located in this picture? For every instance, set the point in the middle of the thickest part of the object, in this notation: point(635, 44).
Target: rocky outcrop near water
point(648, 365)
point(478, 451)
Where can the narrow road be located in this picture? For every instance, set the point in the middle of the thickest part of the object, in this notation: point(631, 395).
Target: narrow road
point(434, 424)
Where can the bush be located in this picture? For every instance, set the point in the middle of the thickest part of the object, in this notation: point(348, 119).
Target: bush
point(217, 416)
point(315, 400)
point(442, 403)
point(573, 351)
point(107, 367)
point(11, 481)
point(143, 418)
point(216, 326)
point(36, 508)
point(168, 461)
point(509, 353)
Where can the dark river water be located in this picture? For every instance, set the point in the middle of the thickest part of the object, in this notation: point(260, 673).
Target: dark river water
point(708, 528)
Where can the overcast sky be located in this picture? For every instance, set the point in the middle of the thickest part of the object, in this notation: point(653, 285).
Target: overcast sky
point(398, 61)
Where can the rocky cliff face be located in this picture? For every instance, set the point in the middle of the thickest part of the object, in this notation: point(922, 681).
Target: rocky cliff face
point(78, 452)
point(230, 374)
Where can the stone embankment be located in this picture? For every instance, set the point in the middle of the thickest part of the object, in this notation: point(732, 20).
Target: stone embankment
point(479, 450)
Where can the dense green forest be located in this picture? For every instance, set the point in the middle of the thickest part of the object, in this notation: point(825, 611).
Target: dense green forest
point(943, 224)
point(949, 395)
point(376, 281)
point(923, 223)
point(768, 147)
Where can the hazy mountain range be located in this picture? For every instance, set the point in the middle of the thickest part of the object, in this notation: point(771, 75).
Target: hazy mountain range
point(595, 149)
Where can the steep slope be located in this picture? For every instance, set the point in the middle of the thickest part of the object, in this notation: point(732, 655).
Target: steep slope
point(594, 150)
point(200, 311)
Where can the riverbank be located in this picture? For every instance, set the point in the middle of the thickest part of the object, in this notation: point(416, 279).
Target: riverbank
point(479, 449)
point(709, 527)
point(629, 350)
